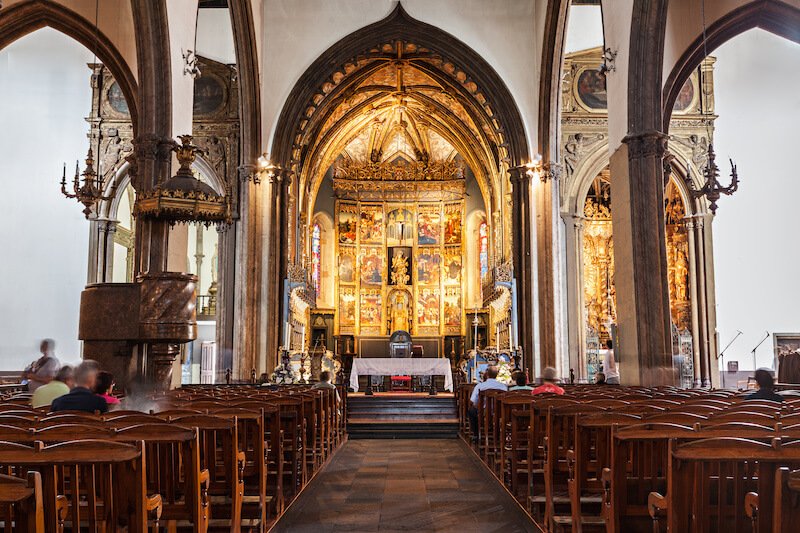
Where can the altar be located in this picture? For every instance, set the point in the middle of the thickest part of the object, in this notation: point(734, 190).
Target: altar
point(401, 366)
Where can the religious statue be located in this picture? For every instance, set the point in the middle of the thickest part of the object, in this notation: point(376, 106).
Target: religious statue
point(399, 315)
point(400, 270)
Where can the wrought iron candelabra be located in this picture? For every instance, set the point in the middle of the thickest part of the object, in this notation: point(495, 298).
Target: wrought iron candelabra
point(712, 189)
point(90, 193)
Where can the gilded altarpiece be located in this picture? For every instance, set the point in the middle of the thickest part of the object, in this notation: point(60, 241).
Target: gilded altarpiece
point(400, 249)
point(598, 259)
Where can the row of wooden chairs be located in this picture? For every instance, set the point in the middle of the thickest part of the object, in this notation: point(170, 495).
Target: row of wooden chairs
point(606, 458)
point(213, 459)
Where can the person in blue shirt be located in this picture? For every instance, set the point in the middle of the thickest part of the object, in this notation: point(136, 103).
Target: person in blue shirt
point(489, 383)
point(82, 396)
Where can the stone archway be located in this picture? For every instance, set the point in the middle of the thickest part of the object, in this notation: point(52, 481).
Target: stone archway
point(307, 128)
point(775, 17)
point(21, 19)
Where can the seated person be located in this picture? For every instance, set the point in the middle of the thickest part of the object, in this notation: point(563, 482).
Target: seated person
point(60, 386)
point(489, 383)
point(43, 370)
point(549, 379)
point(105, 387)
point(520, 382)
point(766, 387)
point(81, 397)
point(600, 379)
point(324, 382)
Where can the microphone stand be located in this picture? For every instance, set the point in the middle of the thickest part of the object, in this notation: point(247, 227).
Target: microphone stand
point(722, 354)
point(756, 348)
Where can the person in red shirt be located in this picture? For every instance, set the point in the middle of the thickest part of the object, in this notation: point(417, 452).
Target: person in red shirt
point(549, 380)
point(104, 387)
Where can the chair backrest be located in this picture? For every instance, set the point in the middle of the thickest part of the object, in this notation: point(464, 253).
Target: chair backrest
point(710, 479)
point(173, 467)
point(786, 511)
point(86, 482)
point(21, 504)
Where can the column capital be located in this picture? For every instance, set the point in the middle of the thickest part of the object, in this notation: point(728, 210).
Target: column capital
point(650, 143)
point(551, 171)
point(520, 174)
point(249, 173)
point(152, 146)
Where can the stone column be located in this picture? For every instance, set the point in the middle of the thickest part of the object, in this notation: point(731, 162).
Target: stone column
point(576, 343)
point(546, 198)
point(245, 249)
point(644, 342)
point(523, 269)
point(101, 250)
point(277, 228)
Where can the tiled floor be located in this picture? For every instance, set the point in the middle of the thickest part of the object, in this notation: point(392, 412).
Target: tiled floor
point(404, 485)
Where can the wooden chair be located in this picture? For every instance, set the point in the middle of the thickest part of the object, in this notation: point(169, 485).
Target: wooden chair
point(710, 481)
point(273, 436)
point(588, 459)
point(173, 471)
point(559, 440)
point(21, 504)
point(639, 458)
point(89, 483)
point(220, 455)
point(786, 511)
point(252, 443)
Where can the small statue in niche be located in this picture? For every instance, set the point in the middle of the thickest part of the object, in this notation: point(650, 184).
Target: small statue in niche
point(216, 155)
point(400, 269)
point(112, 155)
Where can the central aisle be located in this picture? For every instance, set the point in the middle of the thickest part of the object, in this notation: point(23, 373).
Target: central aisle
point(404, 485)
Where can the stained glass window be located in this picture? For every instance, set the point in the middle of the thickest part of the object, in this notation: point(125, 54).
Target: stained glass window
point(483, 247)
point(316, 259)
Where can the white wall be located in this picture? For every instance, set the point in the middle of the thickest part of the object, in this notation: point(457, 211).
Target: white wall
point(756, 249)
point(296, 32)
point(215, 35)
point(584, 28)
point(44, 97)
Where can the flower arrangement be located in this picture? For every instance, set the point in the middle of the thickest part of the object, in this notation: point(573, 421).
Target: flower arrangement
point(285, 374)
point(504, 371)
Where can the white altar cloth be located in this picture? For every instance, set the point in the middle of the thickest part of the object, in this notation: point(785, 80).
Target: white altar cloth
point(401, 367)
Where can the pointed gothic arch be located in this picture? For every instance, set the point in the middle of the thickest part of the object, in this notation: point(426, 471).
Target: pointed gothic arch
point(23, 18)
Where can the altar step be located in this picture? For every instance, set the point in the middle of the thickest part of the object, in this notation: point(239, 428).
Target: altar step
point(402, 417)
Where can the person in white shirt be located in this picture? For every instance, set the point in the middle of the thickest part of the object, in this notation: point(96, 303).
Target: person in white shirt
point(489, 383)
point(610, 365)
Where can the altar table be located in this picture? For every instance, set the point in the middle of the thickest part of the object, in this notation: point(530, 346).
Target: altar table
point(401, 367)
